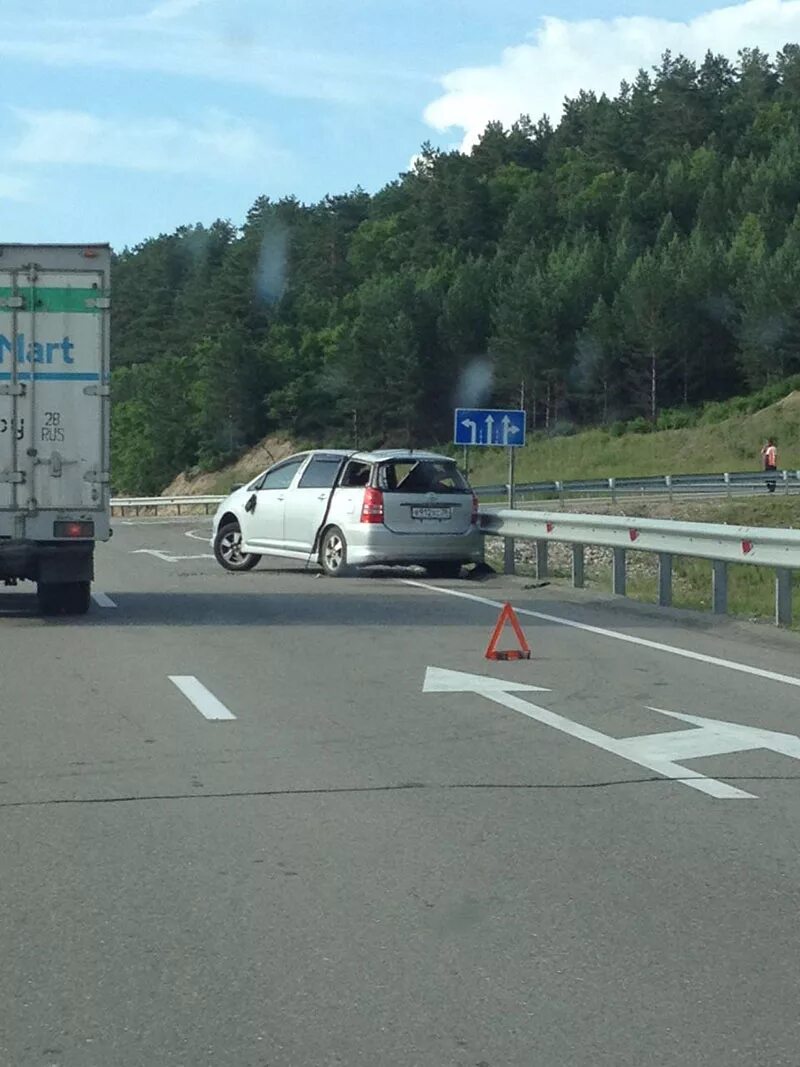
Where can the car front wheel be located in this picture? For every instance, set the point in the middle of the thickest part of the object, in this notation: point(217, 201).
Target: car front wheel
point(228, 549)
point(333, 553)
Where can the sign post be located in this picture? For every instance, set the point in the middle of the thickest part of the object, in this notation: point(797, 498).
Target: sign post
point(493, 428)
point(509, 546)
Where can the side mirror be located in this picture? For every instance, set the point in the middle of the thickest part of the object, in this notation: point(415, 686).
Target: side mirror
point(250, 506)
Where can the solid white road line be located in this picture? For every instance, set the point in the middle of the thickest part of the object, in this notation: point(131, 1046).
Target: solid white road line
point(102, 600)
point(714, 661)
point(205, 702)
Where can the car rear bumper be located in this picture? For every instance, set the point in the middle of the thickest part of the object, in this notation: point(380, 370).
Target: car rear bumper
point(376, 544)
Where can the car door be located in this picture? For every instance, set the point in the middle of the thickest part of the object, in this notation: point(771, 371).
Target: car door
point(263, 529)
point(307, 503)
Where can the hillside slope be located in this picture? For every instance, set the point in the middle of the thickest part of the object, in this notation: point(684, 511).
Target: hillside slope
point(733, 444)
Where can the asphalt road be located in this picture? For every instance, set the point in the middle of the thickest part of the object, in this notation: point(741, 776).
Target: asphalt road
point(354, 871)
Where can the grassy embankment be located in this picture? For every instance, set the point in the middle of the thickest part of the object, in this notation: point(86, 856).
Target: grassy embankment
point(730, 443)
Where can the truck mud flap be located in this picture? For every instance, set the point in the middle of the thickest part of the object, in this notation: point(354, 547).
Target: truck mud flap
point(47, 562)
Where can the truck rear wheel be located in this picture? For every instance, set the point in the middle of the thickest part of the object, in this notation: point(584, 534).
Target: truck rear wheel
point(64, 598)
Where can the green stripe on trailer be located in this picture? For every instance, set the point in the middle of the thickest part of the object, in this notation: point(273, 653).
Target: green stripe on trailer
point(54, 300)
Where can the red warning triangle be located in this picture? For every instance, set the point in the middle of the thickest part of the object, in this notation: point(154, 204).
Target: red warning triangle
point(523, 652)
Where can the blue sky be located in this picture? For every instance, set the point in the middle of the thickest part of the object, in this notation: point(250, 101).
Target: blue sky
point(121, 119)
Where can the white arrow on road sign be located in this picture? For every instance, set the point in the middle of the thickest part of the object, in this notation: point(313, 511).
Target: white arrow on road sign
point(509, 426)
point(489, 429)
point(656, 752)
point(473, 430)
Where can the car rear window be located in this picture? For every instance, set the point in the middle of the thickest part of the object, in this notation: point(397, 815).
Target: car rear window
point(421, 476)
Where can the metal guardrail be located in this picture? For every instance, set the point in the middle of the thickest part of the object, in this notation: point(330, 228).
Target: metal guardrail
point(723, 545)
point(661, 485)
point(665, 485)
point(123, 505)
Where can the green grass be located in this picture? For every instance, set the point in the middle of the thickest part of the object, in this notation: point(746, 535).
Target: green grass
point(751, 590)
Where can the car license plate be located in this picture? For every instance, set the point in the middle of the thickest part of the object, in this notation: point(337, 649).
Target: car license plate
point(431, 513)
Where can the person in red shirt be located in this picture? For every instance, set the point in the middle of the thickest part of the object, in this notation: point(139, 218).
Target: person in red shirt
point(769, 454)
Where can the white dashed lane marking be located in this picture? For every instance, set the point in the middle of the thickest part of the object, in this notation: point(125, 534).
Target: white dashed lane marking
point(102, 599)
point(205, 701)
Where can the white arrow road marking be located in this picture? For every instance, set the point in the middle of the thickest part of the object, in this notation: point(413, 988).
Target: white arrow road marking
point(102, 599)
point(167, 559)
point(643, 642)
point(197, 535)
point(439, 680)
point(205, 701)
point(656, 752)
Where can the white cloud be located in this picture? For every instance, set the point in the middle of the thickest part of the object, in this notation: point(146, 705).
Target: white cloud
point(219, 143)
point(564, 57)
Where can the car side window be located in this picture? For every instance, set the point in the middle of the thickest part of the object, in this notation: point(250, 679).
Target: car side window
point(282, 477)
point(357, 475)
point(321, 472)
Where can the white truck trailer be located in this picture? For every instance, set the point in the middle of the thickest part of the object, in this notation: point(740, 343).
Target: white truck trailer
point(55, 305)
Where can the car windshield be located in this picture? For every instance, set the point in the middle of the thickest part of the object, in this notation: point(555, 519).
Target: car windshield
point(409, 475)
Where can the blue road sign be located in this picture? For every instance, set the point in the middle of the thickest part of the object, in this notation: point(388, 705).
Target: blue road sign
point(487, 426)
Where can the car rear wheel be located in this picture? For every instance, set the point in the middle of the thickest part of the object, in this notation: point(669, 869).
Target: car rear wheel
point(333, 553)
point(228, 549)
point(444, 569)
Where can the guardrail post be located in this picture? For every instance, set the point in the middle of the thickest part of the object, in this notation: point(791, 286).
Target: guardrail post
point(560, 491)
point(668, 480)
point(578, 561)
point(785, 481)
point(509, 556)
point(719, 587)
point(727, 478)
point(783, 597)
point(664, 579)
point(612, 485)
point(541, 559)
point(618, 572)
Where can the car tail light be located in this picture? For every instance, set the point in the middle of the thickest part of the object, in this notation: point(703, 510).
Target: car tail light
point(474, 510)
point(372, 509)
point(73, 529)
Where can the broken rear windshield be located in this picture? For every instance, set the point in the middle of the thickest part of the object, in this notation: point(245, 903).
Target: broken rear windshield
point(421, 476)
